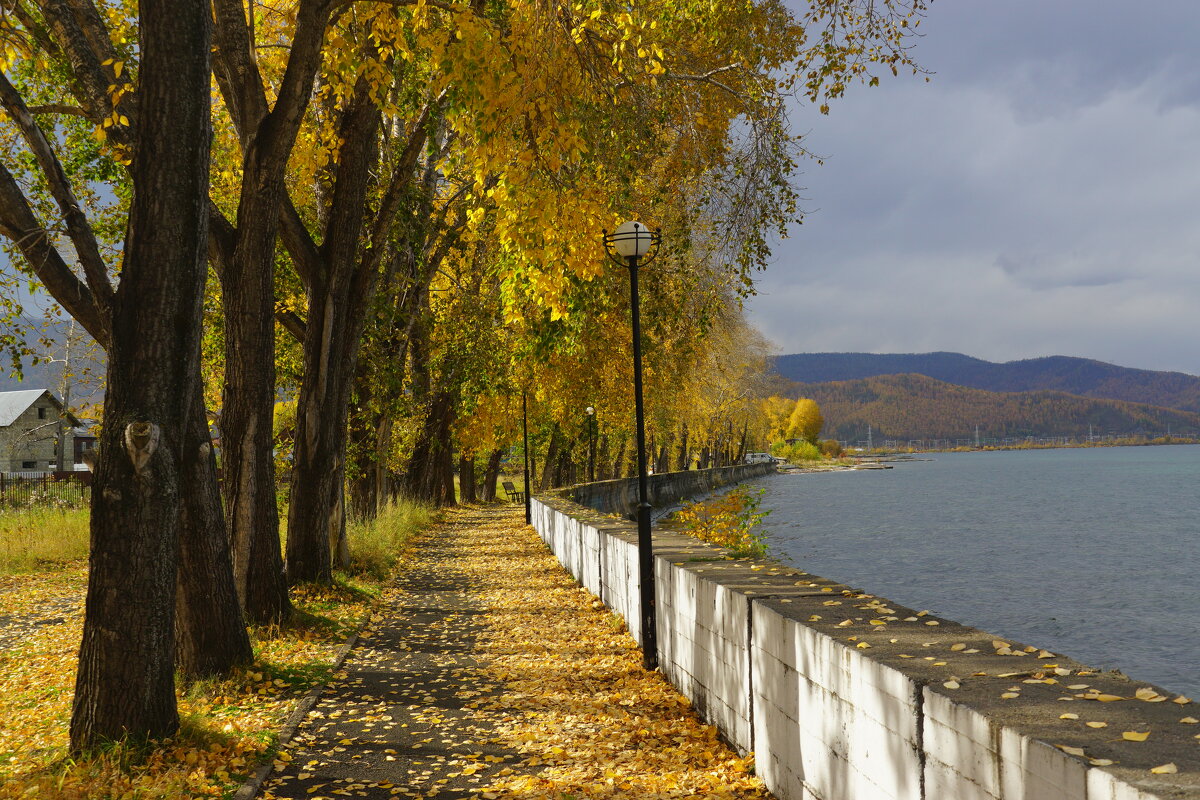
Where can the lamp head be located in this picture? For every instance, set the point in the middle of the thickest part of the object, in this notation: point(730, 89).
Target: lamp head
point(631, 240)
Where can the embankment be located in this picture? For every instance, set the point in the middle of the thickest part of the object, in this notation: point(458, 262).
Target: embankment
point(846, 696)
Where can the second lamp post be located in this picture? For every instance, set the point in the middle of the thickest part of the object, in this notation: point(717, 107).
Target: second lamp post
point(629, 244)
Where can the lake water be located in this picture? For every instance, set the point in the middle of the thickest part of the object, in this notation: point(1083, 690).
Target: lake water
point(1094, 553)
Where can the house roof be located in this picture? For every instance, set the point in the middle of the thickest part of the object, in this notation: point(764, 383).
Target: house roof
point(14, 404)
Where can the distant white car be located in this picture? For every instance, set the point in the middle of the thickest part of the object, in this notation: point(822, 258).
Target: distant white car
point(759, 458)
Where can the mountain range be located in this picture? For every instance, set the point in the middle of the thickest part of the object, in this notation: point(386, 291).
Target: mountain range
point(946, 395)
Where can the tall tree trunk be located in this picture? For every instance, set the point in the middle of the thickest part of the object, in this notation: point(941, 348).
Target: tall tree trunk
point(663, 462)
point(210, 636)
point(424, 478)
point(125, 683)
point(618, 468)
point(445, 469)
point(245, 256)
point(466, 478)
point(684, 461)
point(491, 475)
point(338, 287)
point(564, 472)
point(314, 518)
point(247, 423)
point(602, 459)
point(551, 461)
point(362, 424)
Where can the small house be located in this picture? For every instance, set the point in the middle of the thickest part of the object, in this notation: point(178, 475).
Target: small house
point(34, 429)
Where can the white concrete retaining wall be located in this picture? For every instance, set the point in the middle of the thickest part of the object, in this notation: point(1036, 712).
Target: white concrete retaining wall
point(837, 710)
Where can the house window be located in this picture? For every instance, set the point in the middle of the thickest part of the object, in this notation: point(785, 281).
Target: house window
point(28, 465)
point(41, 413)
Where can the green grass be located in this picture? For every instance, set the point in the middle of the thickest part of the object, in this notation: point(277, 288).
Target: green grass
point(37, 539)
point(376, 545)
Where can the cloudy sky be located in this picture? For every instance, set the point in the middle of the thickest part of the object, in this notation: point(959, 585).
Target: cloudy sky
point(1039, 196)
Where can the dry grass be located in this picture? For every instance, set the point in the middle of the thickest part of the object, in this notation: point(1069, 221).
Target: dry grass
point(376, 545)
point(227, 726)
point(36, 539)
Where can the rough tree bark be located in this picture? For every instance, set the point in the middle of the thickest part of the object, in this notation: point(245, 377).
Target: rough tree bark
point(125, 684)
point(425, 477)
point(466, 477)
point(244, 253)
point(212, 639)
point(551, 460)
point(210, 636)
point(684, 461)
point(491, 475)
point(338, 285)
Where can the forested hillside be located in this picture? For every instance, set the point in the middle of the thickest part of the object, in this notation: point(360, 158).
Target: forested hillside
point(919, 407)
point(1079, 376)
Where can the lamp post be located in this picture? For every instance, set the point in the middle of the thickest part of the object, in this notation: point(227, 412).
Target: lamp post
point(525, 437)
point(630, 243)
point(592, 428)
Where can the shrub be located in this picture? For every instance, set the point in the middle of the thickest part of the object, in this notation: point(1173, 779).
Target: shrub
point(831, 448)
point(730, 520)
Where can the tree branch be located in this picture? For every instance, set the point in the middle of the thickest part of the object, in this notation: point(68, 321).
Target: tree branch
point(306, 257)
point(292, 323)
point(18, 223)
point(402, 175)
point(222, 238)
point(78, 227)
point(84, 41)
point(59, 108)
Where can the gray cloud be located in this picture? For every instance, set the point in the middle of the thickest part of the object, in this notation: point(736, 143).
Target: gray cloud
point(1039, 196)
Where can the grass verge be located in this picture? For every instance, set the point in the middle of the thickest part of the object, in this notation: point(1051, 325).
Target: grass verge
point(37, 539)
point(228, 726)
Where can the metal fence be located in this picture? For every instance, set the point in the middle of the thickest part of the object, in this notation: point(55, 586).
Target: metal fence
point(56, 489)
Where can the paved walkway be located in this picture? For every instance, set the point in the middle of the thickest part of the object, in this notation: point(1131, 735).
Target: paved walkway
point(490, 674)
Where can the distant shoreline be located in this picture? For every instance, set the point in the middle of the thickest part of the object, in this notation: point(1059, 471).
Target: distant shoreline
point(1163, 441)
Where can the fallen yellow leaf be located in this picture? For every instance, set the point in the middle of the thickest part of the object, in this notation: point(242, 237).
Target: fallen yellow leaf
point(1165, 769)
point(1189, 720)
point(1135, 736)
point(1096, 724)
point(1071, 751)
point(1068, 716)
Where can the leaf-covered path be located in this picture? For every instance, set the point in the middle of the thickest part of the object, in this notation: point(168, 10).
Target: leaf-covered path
point(489, 674)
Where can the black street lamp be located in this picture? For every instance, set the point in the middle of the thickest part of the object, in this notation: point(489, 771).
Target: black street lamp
point(525, 436)
point(630, 243)
point(593, 427)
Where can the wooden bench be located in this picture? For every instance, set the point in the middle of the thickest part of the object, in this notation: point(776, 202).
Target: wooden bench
point(514, 494)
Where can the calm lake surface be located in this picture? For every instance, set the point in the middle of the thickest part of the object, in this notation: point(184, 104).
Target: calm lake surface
point(1093, 553)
